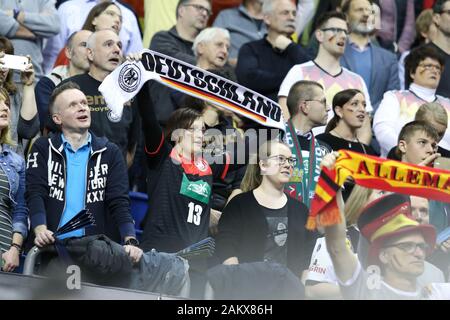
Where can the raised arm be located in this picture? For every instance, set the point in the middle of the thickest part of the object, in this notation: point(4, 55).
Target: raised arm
point(344, 261)
point(155, 145)
point(28, 125)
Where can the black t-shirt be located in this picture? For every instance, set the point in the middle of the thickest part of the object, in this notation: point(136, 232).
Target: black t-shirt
point(444, 84)
point(123, 132)
point(277, 223)
point(220, 139)
point(338, 143)
point(179, 191)
point(179, 201)
point(243, 230)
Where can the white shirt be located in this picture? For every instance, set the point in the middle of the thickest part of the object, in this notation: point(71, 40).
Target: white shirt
point(393, 114)
point(331, 83)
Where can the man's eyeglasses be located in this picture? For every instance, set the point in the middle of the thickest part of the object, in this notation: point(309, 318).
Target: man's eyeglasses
point(410, 247)
point(199, 8)
point(430, 66)
point(335, 30)
point(282, 160)
point(323, 102)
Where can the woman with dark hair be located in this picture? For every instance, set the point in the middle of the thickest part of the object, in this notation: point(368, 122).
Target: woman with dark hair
point(23, 110)
point(349, 107)
point(13, 210)
point(221, 136)
point(263, 223)
point(179, 178)
point(423, 69)
point(180, 182)
point(105, 15)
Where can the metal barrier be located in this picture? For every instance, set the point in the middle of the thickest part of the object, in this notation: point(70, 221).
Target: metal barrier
point(30, 260)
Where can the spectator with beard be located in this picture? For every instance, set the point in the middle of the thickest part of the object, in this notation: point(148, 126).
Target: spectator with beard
point(377, 66)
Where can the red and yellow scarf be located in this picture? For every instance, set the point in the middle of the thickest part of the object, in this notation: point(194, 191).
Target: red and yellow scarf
point(375, 173)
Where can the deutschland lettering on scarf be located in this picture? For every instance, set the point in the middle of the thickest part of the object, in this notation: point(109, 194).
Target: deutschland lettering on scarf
point(125, 82)
point(375, 173)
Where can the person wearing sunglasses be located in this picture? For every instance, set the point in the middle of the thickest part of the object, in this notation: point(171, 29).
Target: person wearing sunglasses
point(423, 69)
point(263, 223)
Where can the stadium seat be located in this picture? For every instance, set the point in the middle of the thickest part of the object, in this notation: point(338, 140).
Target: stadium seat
point(139, 202)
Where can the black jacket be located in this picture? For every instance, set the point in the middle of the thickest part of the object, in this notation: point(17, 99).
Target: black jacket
point(243, 229)
point(171, 44)
point(262, 68)
point(106, 190)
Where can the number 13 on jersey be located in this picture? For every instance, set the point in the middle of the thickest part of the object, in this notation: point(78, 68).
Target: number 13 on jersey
point(195, 212)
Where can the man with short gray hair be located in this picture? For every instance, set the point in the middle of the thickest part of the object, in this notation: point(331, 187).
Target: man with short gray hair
point(211, 48)
point(263, 64)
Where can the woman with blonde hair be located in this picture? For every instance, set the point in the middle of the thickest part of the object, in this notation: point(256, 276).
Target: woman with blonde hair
point(13, 210)
point(263, 223)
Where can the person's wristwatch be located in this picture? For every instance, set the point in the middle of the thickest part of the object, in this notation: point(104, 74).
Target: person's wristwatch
point(132, 242)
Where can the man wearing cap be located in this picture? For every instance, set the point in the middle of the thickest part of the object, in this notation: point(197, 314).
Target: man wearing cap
point(397, 251)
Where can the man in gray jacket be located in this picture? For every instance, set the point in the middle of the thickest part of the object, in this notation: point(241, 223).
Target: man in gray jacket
point(27, 23)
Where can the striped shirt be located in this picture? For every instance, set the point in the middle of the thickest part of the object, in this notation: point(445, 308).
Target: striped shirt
point(6, 228)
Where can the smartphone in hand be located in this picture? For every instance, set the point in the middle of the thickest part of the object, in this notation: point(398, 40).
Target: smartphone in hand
point(15, 62)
